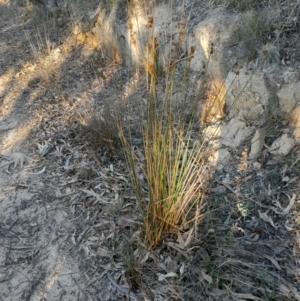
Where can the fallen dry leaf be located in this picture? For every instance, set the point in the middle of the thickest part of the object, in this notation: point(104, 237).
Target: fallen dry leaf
point(178, 248)
point(264, 216)
point(287, 226)
point(189, 238)
point(180, 241)
point(181, 270)
point(97, 196)
point(287, 209)
point(274, 261)
point(206, 277)
point(162, 277)
point(253, 237)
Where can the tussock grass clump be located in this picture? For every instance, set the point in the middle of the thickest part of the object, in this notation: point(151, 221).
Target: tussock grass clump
point(173, 167)
point(101, 128)
point(45, 57)
point(174, 176)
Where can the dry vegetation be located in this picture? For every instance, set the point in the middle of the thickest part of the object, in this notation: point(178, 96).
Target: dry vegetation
point(123, 159)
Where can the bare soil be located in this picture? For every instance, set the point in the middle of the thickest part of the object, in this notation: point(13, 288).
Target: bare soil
point(49, 228)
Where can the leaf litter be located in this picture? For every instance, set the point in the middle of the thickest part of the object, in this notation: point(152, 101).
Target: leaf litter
point(64, 225)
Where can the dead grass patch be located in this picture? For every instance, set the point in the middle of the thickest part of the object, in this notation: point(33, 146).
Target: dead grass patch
point(249, 33)
point(243, 5)
point(100, 126)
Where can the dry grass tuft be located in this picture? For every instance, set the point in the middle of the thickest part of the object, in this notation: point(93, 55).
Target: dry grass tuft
point(249, 33)
point(101, 128)
point(173, 167)
point(46, 57)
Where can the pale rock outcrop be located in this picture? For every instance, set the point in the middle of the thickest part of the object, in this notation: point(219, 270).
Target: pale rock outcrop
point(247, 96)
point(235, 133)
point(224, 157)
point(207, 38)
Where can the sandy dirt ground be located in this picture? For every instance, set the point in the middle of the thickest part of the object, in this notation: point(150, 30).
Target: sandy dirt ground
point(68, 218)
point(45, 235)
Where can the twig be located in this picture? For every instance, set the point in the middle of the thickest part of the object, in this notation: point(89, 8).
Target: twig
point(78, 285)
point(229, 188)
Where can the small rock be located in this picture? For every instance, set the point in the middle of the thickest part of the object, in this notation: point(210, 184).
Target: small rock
point(257, 165)
point(234, 133)
point(220, 158)
point(257, 143)
point(282, 145)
